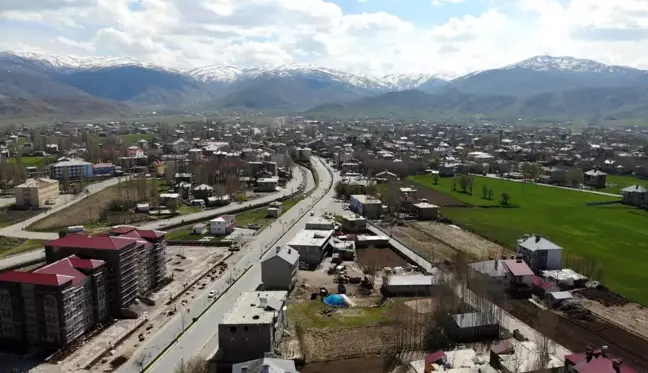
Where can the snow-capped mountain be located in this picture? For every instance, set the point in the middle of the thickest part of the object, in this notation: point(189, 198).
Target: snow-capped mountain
point(214, 73)
point(568, 64)
point(402, 82)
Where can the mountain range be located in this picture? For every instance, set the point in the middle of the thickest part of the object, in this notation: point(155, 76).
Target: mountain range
point(39, 84)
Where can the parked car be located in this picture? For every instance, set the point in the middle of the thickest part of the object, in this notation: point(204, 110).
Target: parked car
point(212, 294)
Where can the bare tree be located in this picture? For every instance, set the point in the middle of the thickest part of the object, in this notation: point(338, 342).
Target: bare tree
point(141, 360)
point(193, 365)
point(435, 178)
point(547, 324)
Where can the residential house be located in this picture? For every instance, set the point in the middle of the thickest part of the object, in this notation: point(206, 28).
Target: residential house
point(519, 277)
point(253, 326)
point(595, 179)
point(596, 361)
point(635, 195)
point(279, 272)
point(540, 253)
point(267, 184)
point(203, 191)
point(321, 224)
point(354, 223)
point(265, 365)
point(367, 206)
point(222, 225)
point(425, 211)
point(473, 327)
point(513, 356)
point(134, 151)
point(36, 193)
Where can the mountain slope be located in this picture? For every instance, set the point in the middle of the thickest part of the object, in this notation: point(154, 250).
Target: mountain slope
point(544, 74)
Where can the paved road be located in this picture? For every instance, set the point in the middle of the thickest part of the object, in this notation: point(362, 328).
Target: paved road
point(493, 176)
point(31, 256)
point(201, 332)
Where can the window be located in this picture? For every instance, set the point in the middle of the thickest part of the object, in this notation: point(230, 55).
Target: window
point(245, 328)
point(232, 329)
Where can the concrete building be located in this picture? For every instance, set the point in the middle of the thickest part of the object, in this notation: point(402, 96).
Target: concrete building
point(34, 193)
point(279, 272)
point(320, 224)
point(267, 184)
point(311, 246)
point(540, 253)
point(353, 223)
point(52, 306)
point(595, 361)
point(222, 225)
point(253, 326)
point(202, 191)
point(488, 276)
point(72, 169)
point(195, 155)
point(135, 260)
point(595, 178)
point(425, 211)
point(303, 154)
point(473, 327)
point(409, 285)
point(103, 169)
point(367, 206)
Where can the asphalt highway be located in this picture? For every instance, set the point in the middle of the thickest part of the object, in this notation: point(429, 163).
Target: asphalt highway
point(243, 276)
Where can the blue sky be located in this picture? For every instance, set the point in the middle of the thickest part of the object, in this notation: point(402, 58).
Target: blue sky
point(361, 36)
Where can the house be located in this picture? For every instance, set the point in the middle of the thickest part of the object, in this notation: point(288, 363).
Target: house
point(222, 225)
point(425, 211)
point(386, 176)
point(595, 179)
point(303, 154)
point(408, 285)
point(354, 223)
point(596, 361)
point(200, 229)
point(253, 326)
point(181, 177)
point(310, 244)
point(555, 298)
point(460, 361)
point(72, 170)
point(195, 155)
point(557, 175)
point(367, 206)
point(166, 198)
point(489, 276)
point(473, 327)
point(519, 277)
point(134, 151)
point(540, 253)
point(202, 191)
point(267, 184)
point(34, 305)
point(36, 193)
point(265, 365)
point(542, 287)
point(275, 209)
point(279, 272)
point(447, 169)
point(635, 195)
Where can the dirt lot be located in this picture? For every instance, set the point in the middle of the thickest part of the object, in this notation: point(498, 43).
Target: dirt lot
point(631, 315)
point(380, 258)
point(311, 281)
point(364, 365)
point(422, 243)
point(469, 243)
point(346, 343)
point(437, 198)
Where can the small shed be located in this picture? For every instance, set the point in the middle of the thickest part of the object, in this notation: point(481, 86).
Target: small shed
point(199, 228)
point(473, 327)
point(557, 297)
point(409, 285)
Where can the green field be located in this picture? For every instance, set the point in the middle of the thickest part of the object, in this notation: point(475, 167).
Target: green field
point(617, 182)
point(310, 315)
point(12, 246)
point(613, 235)
point(30, 161)
point(133, 138)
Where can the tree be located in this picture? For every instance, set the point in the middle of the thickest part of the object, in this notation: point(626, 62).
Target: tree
point(455, 180)
point(506, 198)
point(65, 181)
point(193, 365)
point(141, 360)
point(484, 192)
point(490, 194)
point(435, 178)
point(391, 196)
point(339, 188)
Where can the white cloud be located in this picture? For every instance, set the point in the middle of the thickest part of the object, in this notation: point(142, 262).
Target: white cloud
point(183, 33)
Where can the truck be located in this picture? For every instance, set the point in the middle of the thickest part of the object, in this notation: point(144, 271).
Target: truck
point(76, 228)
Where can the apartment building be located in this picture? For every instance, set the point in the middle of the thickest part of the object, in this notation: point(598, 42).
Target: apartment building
point(34, 193)
point(253, 326)
point(135, 260)
point(53, 305)
point(73, 169)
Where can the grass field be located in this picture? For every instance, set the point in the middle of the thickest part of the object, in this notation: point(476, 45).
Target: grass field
point(617, 182)
point(614, 235)
point(12, 246)
point(133, 138)
point(30, 161)
point(309, 315)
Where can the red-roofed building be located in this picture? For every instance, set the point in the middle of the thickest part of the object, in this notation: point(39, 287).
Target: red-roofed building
point(519, 277)
point(53, 305)
point(596, 361)
point(154, 259)
point(121, 260)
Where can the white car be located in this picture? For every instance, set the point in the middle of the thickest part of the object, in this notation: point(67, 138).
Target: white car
point(162, 225)
point(212, 294)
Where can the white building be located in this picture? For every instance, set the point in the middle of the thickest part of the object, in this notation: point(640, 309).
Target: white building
point(320, 224)
point(267, 184)
point(310, 244)
point(73, 169)
point(540, 253)
point(222, 225)
point(303, 154)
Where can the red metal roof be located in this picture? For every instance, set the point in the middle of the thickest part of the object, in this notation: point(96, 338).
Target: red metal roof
point(518, 268)
point(122, 229)
point(433, 357)
point(542, 283)
point(85, 263)
point(91, 242)
point(136, 236)
point(63, 267)
point(600, 364)
point(45, 279)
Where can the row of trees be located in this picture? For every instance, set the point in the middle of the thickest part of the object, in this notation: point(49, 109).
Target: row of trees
point(466, 182)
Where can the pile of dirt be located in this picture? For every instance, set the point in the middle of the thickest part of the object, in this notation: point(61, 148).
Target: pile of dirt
point(575, 310)
point(605, 296)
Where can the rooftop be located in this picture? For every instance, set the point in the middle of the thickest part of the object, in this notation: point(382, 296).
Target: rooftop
point(634, 189)
point(63, 267)
point(311, 238)
point(255, 307)
point(288, 254)
point(538, 243)
point(597, 363)
point(91, 242)
point(74, 162)
point(522, 356)
point(469, 320)
point(412, 280)
point(37, 183)
point(518, 267)
point(44, 279)
point(491, 268)
point(364, 199)
point(273, 366)
point(426, 205)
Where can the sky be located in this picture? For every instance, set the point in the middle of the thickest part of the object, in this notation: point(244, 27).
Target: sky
point(372, 37)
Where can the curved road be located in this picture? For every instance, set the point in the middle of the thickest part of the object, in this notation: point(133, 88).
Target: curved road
point(16, 230)
point(244, 276)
